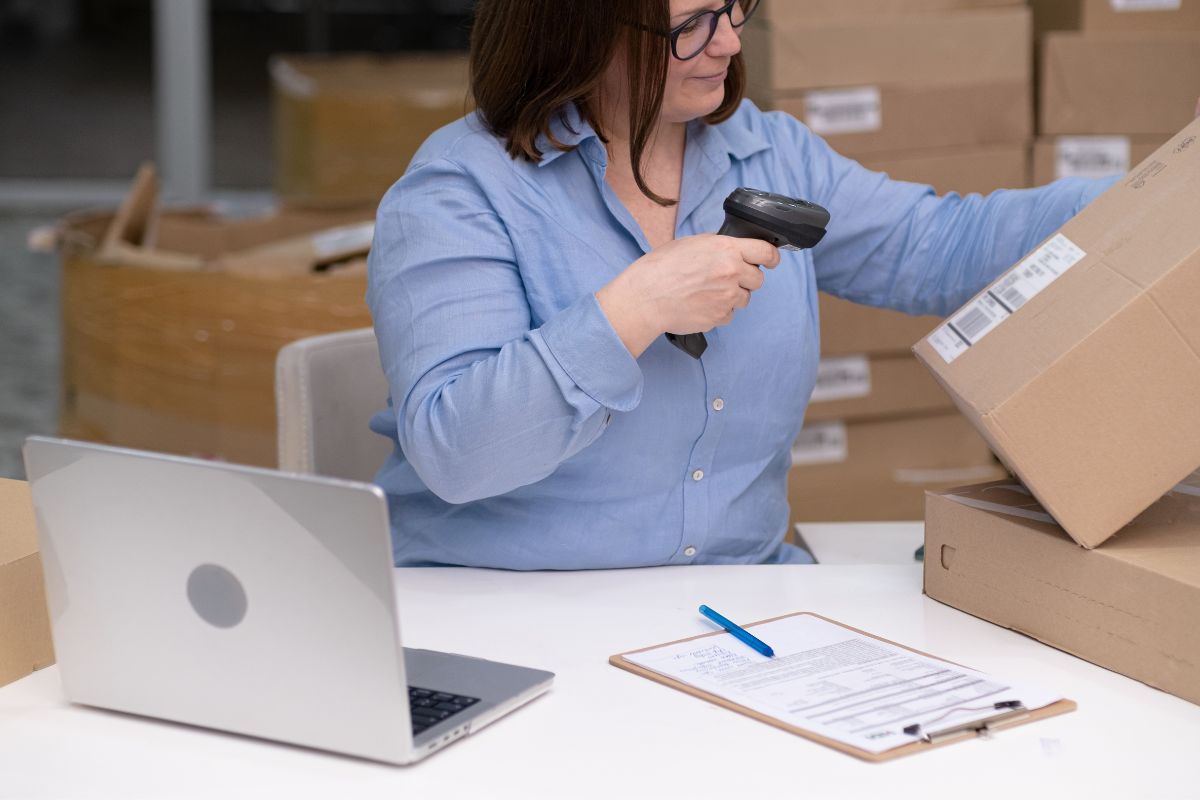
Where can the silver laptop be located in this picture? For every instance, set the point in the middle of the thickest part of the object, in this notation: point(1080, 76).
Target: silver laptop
point(246, 600)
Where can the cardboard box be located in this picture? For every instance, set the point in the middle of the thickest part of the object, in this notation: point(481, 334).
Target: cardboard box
point(849, 329)
point(1116, 15)
point(782, 11)
point(856, 388)
point(172, 320)
point(1057, 157)
point(990, 46)
point(1130, 606)
point(891, 83)
point(1125, 83)
point(1079, 365)
point(961, 169)
point(880, 470)
point(884, 119)
point(25, 644)
point(347, 126)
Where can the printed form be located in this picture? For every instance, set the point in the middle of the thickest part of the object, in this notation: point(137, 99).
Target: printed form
point(838, 683)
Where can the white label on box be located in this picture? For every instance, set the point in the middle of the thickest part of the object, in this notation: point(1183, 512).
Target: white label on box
point(346, 239)
point(821, 443)
point(1013, 290)
point(1146, 5)
point(832, 111)
point(842, 379)
point(1091, 156)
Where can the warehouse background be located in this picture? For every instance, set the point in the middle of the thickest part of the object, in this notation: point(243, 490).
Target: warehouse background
point(77, 117)
point(318, 106)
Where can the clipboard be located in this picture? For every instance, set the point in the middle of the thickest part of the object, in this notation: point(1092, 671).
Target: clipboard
point(1000, 721)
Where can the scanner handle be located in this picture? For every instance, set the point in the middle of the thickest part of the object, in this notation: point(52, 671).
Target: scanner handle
point(694, 344)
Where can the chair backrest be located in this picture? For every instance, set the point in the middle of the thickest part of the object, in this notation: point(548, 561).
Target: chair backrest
point(326, 389)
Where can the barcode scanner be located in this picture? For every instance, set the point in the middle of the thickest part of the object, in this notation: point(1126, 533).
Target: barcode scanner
point(785, 222)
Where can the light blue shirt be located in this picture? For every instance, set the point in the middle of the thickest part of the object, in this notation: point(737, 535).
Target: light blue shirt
point(527, 435)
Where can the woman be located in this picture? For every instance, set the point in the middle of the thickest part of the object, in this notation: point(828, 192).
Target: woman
point(529, 262)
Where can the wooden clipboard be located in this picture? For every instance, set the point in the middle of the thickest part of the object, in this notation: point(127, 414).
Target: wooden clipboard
point(1033, 715)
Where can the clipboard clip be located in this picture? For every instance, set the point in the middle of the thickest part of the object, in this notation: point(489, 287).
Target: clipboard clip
point(1012, 711)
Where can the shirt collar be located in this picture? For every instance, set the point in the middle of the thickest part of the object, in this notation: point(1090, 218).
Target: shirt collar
point(568, 127)
point(731, 139)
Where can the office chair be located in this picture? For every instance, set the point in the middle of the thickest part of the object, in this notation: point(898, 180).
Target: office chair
point(326, 389)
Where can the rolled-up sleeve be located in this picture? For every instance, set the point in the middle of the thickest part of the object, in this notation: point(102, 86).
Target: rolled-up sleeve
point(900, 245)
point(484, 402)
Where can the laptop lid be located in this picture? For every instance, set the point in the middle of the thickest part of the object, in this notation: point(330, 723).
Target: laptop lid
point(231, 597)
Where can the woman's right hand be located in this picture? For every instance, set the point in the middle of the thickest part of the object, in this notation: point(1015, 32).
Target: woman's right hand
point(688, 285)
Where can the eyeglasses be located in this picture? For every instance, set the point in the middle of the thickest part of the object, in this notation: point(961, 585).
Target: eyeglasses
point(689, 39)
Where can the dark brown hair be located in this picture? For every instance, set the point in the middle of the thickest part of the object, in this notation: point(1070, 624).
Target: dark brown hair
point(529, 58)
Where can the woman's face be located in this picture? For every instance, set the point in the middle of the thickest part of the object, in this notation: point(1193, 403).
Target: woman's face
point(695, 88)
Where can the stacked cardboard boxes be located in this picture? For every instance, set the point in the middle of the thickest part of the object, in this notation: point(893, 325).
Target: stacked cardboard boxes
point(25, 644)
point(1081, 366)
point(172, 319)
point(347, 126)
point(1116, 79)
point(879, 432)
point(936, 91)
point(932, 91)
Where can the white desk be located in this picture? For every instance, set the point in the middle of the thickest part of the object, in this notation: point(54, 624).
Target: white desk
point(605, 733)
point(861, 542)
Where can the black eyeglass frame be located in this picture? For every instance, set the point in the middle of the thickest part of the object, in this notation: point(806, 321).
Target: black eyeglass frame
point(725, 10)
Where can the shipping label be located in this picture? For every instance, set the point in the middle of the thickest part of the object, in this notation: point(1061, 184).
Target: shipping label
point(842, 379)
point(834, 111)
point(1091, 156)
point(821, 443)
point(1146, 5)
point(1013, 290)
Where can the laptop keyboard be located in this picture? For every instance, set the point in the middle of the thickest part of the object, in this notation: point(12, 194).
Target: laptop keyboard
point(429, 707)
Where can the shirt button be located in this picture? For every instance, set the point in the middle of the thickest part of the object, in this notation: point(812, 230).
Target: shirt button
point(698, 475)
point(689, 551)
point(718, 404)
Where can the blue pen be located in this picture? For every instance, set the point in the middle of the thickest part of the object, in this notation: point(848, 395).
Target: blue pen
point(738, 631)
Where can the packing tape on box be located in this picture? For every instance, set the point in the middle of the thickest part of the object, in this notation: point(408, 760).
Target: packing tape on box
point(1026, 512)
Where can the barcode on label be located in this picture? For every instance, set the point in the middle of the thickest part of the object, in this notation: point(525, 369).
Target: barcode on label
point(842, 379)
point(1013, 290)
point(834, 111)
point(1008, 292)
point(973, 323)
point(1091, 156)
point(1146, 5)
point(1013, 298)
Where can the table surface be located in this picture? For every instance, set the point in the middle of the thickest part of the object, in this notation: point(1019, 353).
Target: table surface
point(604, 732)
point(861, 542)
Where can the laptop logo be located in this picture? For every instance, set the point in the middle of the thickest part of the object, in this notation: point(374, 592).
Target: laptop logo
point(216, 595)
